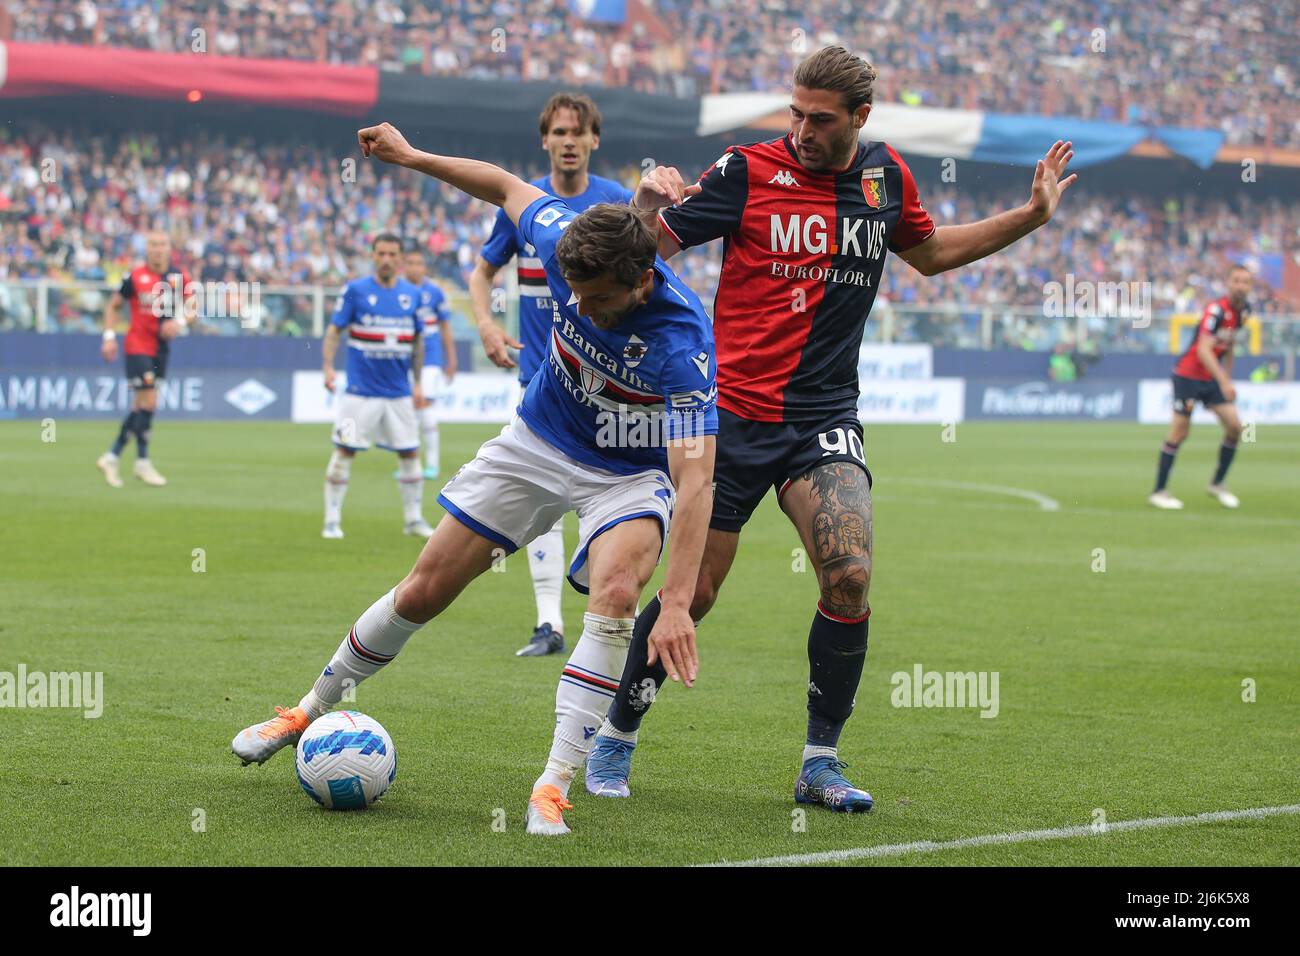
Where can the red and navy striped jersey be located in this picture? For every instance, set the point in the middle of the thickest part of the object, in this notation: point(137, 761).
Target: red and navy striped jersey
point(152, 297)
point(802, 258)
point(1221, 322)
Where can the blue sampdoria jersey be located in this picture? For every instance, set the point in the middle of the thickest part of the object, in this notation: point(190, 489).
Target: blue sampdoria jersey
point(433, 311)
point(613, 398)
point(534, 296)
point(381, 325)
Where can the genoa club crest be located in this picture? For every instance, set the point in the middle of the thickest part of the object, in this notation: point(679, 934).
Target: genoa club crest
point(873, 187)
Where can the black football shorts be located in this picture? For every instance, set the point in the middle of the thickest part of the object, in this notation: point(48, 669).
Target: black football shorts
point(1189, 391)
point(755, 456)
point(145, 371)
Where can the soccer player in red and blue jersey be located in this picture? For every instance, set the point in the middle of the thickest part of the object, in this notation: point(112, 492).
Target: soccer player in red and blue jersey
point(570, 128)
point(1204, 374)
point(155, 294)
point(806, 220)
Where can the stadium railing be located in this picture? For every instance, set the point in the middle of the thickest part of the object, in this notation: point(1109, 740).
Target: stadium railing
point(77, 306)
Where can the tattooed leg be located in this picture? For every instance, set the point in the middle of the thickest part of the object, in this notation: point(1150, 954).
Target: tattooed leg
point(831, 507)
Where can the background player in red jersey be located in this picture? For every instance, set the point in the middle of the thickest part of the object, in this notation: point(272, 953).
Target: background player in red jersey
point(1204, 374)
point(152, 292)
point(806, 219)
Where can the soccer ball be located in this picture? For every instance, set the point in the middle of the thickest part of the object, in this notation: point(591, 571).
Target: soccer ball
point(346, 760)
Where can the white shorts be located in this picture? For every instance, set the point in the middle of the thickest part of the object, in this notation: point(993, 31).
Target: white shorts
point(518, 486)
point(388, 423)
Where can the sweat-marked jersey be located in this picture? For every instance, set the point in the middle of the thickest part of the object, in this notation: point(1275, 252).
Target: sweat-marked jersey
point(801, 262)
point(534, 296)
point(381, 325)
point(612, 398)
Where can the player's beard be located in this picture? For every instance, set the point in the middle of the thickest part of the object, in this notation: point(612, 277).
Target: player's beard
point(835, 156)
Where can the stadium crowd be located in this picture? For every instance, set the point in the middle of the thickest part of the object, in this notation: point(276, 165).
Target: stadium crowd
point(73, 207)
point(1172, 62)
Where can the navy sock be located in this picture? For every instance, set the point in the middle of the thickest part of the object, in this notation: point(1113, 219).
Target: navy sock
point(1167, 452)
point(143, 422)
point(1226, 453)
point(635, 695)
point(837, 649)
point(124, 434)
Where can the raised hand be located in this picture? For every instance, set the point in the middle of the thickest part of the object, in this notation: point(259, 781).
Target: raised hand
point(1048, 184)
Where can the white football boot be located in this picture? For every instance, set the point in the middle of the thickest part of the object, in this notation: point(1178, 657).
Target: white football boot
point(1165, 501)
point(260, 742)
point(146, 472)
point(107, 463)
point(1225, 497)
point(545, 816)
point(332, 531)
point(418, 529)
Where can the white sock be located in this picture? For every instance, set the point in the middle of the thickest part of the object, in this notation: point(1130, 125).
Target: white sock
point(809, 751)
point(410, 480)
point(546, 562)
point(336, 486)
point(609, 730)
point(371, 643)
point(586, 689)
point(429, 437)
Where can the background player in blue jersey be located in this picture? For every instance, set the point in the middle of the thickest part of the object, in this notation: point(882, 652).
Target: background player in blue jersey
point(380, 315)
point(626, 398)
point(570, 129)
point(439, 352)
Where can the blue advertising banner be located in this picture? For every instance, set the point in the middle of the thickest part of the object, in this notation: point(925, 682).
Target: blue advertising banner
point(1089, 401)
point(90, 392)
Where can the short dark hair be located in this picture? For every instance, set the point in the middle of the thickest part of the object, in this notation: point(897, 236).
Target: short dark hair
point(606, 239)
point(836, 69)
point(580, 103)
point(1238, 267)
point(385, 237)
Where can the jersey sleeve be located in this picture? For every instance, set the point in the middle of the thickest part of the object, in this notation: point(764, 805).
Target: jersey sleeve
point(441, 310)
point(127, 289)
point(914, 223)
point(344, 307)
point(716, 210)
point(1211, 319)
point(542, 224)
point(503, 244)
point(690, 389)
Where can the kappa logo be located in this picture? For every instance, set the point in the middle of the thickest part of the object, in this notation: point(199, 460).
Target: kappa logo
point(784, 178)
point(702, 363)
point(721, 164)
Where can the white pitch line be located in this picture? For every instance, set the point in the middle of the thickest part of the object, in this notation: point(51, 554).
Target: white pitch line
point(1022, 836)
point(1044, 503)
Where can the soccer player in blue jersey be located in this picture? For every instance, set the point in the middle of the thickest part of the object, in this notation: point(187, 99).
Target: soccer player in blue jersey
point(625, 400)
point(381, 317)
point(439, 352)
point(570, 128)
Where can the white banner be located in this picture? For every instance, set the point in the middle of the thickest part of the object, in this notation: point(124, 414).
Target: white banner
point(929, 401)
point(1264, 403)
point(895, 362)
point(471, 397)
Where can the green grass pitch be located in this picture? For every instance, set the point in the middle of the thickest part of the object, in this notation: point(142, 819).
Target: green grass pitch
point(1119, 690)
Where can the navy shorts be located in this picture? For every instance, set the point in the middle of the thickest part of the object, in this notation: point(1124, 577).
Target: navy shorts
point(755, 456)
point(144, 371)
point(1189, 391)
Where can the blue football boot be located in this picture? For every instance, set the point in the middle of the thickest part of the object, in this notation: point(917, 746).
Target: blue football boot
point(608, 766)
point(821, 782)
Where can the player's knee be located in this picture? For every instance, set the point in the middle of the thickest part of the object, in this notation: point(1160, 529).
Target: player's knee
point(616, 595)
point(1232, 433)
point(845, 583)
point(339, 467)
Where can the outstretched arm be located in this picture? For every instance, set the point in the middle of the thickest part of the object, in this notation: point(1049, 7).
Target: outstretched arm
point(954, 246)
point(481, 180)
